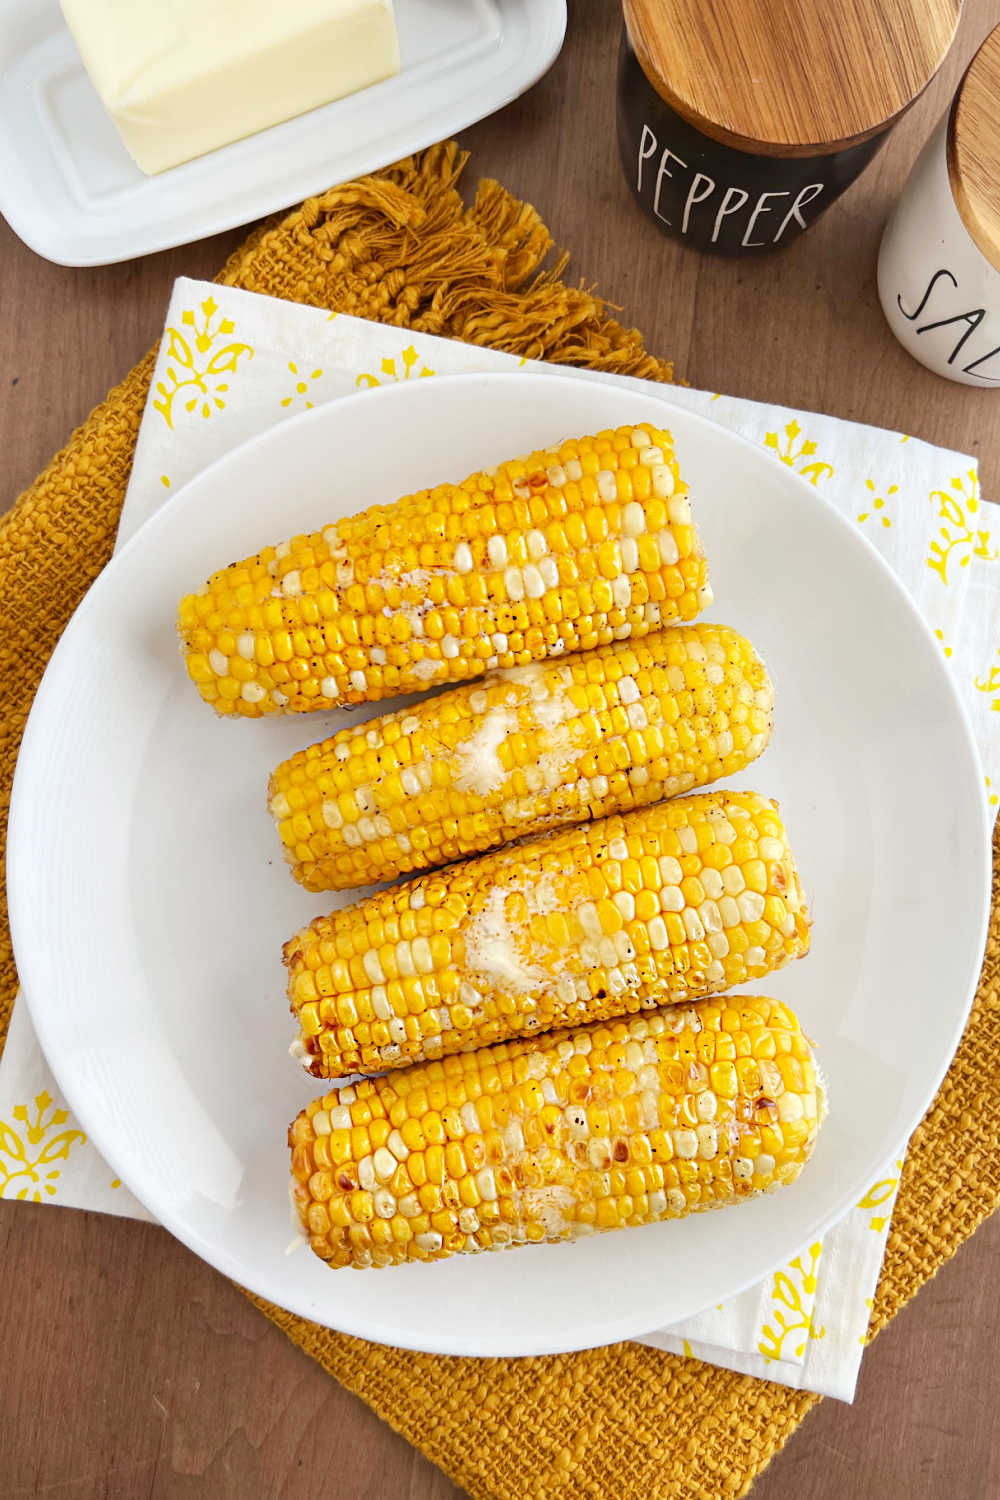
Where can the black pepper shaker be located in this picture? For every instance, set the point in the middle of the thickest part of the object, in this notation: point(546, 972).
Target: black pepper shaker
point(740, 121)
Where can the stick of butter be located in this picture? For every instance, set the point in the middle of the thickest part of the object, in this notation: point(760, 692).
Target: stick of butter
point(181, 77)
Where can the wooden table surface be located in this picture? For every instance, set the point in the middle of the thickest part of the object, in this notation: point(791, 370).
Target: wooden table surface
point(129, 1368)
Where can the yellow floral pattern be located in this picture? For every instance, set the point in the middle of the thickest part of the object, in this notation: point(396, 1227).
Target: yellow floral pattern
point(194, 379)
point(877, 511)
point(792, 1296)
point(991, 684)
point(944, 645)
point(410, 360)
point(959, 538)
point(793, 453)
point(301, 385)
point(30, 1147)
point(877, 1196)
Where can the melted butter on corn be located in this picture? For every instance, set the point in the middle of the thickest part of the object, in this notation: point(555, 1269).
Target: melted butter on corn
point(565, 549)
point(615, 1124)
point(540, 705)
point(658, 906)
point(495, 946)
point(521, 751)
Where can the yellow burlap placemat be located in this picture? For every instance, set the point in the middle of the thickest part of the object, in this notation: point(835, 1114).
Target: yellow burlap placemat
point(625, 1421)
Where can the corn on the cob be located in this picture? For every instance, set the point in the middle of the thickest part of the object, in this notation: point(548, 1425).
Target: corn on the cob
point(522, 751)
point(563, 550)
point(616, 1124)
point(659, 906)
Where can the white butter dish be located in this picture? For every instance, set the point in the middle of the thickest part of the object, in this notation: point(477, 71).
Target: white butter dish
point(70, 190)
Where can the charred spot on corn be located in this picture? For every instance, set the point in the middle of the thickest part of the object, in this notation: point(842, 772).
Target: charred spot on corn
point(563, 550)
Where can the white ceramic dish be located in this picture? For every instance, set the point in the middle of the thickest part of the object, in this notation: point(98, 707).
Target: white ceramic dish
point(71, 191)
point(148, 938)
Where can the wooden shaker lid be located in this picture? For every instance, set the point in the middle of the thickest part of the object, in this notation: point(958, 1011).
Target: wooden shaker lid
point(790, 77)
point(974, 148)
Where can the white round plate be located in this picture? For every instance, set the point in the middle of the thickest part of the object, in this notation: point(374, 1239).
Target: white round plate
point(149, 898)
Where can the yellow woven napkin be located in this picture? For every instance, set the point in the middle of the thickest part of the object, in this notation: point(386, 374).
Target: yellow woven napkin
point(621, 1421)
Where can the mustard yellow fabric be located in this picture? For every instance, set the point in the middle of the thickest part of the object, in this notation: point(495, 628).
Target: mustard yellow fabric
point(615, 1423)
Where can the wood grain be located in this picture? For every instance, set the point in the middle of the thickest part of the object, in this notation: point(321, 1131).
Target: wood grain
point(974, 149)
point(132, 1369)
point(790, 77)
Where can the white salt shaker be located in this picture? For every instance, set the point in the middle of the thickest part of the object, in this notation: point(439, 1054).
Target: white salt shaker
point(939, 263)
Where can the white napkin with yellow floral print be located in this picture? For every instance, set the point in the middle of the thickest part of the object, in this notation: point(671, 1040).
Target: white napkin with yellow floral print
point(232, 363)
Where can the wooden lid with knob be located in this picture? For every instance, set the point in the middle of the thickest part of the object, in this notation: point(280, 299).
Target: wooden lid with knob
point(790, 77)
point(974, 148)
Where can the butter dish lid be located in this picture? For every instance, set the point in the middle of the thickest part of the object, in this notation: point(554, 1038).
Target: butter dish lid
point(790, 77)
point(974, 148)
